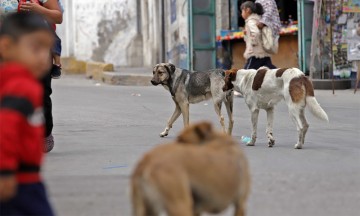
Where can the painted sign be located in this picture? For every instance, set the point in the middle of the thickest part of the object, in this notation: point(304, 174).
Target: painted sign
point(353, 38)
point(351, 6)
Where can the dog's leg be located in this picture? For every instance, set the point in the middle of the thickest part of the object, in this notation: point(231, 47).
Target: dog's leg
point(240, 208)
point(295, 115)
point(254, 120)
point(304, 124)
point(172, 119)
point(217, 106)
point(269, 127)
point(185, 113)
point(140, 206)
point(175, 191)
point(240, 203)
point(229, 108)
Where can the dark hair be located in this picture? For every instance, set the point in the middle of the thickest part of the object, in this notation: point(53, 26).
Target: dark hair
point(18, 24)
point(254, 7)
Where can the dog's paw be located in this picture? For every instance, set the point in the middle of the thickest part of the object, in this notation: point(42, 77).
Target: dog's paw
point(298, 146)
point(271, 143)
point(164, 134)
point(250, 144)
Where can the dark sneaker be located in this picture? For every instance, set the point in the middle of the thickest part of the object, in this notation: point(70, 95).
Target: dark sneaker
point(56, 72)
point(48, 143)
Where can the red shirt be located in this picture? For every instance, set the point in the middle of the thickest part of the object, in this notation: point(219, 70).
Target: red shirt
point(21, 123)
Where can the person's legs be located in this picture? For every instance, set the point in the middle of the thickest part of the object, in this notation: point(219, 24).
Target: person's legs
point(56, 69)
point(49, 140)
point(268, 63)
point(57, 60)
point(31, 199)
point(248, 63)
point(254, 63)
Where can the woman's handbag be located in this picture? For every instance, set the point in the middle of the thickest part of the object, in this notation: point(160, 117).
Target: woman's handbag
point(269, 42)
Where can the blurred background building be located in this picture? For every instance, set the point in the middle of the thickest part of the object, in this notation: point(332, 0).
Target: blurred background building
point(198, 34)
point(135, 33)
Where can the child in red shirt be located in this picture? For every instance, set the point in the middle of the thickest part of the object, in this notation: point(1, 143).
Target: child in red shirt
point(25, 45)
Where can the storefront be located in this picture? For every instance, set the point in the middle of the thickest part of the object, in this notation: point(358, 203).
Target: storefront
point(336, 43)
point(233, 44)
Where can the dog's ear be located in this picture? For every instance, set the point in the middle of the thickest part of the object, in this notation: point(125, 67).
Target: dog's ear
point(171, 67)
point(232, 74)
point(197, 133)
point(155, 67)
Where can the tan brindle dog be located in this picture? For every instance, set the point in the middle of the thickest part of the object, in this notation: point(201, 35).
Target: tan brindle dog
point(191, 87)
point(202, 171)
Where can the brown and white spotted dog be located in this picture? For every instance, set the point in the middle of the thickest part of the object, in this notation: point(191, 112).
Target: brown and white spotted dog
point(264, 88)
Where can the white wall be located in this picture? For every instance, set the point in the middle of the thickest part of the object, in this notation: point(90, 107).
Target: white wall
point(151, 31)
point(99, 30)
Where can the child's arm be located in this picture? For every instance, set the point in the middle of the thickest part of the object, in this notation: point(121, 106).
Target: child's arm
point(50, 10)
point(7, 187)
point(10, 129)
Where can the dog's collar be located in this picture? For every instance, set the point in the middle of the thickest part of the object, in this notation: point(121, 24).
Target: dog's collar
point(169, 81)
point(173, 88)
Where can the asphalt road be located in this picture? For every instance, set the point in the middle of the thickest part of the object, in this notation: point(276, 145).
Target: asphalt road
point(101, 131)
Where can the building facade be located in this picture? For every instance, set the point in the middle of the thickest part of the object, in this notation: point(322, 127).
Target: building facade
point(142, 33)
point(136, 33)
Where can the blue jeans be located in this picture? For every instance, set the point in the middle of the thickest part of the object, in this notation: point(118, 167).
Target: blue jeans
point(30, 199)
point(57, 46)
point(256, 63)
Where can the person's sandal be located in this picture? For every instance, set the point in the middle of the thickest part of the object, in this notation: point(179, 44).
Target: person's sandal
point(48, 143)
point(56, 71)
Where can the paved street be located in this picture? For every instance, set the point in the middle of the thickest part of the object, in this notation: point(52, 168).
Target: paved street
point(101, 131)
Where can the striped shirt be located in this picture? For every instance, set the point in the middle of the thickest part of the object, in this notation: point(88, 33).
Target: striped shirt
point(271, 15)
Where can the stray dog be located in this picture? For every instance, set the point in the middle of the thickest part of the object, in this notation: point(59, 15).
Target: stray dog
point(203, 171)
point(188, 87)
point(264, 88)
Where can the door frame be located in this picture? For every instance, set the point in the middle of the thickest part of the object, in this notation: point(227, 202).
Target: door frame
point(192, 47)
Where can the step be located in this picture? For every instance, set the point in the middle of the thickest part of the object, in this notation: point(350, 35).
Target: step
point(327, 84)
point(126, 79)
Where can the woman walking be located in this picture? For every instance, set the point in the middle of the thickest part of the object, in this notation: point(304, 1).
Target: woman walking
point(255, 54)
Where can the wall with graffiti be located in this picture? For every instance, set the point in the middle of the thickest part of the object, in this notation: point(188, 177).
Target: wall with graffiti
point(177, 32)
point(104, 29)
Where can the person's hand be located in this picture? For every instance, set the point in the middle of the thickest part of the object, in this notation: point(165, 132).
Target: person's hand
point(30, 6)
point(260, 25)
point(8, 186)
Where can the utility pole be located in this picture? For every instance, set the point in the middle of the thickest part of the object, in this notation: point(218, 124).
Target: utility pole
point(315, 45)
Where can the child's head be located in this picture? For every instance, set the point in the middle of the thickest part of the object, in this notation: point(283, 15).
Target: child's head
point(249, 7)
point(26, 38)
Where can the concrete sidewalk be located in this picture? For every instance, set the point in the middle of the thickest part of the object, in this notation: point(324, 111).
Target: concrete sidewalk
point(128, 76)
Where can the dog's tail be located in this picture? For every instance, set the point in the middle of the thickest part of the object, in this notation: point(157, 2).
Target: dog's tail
point(310, 99)
point(316, 109)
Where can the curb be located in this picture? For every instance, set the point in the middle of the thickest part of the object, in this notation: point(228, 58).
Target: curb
point(95, 70)
point(113, 78)
point(104, 72)
point(328, 84)
point(73, 66)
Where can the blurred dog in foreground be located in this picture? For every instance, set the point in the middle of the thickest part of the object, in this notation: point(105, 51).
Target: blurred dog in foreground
point(264, 88)
point(202, 171)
